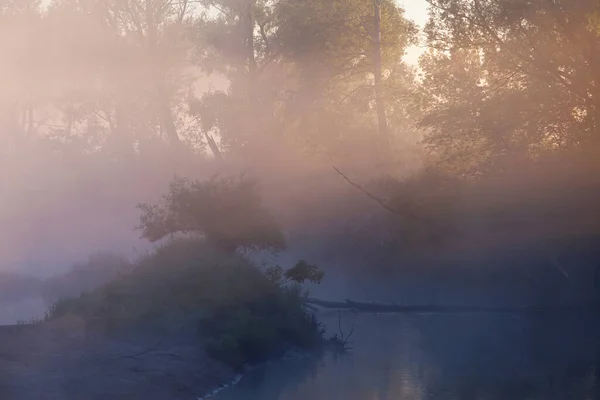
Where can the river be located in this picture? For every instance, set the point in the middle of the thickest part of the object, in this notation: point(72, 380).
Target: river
point(445, 357)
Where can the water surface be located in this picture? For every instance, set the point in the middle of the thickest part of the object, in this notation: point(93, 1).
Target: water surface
point(445, 357)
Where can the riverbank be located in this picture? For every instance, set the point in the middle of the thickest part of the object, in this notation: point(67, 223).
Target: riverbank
point(184, 321)
point(63, 361)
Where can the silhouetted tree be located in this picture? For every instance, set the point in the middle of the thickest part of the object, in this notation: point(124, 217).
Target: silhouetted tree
point(228, 211)
point(510, 78)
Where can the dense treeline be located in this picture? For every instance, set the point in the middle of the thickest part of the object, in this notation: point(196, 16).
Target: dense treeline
point(502, 109)
point(499, 79)
point(134, 75)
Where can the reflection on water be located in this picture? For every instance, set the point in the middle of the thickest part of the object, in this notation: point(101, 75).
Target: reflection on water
point(447, 357)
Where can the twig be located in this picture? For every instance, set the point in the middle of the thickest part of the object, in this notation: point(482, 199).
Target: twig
point(341, 341)
point(349, 335)
point(340, 325)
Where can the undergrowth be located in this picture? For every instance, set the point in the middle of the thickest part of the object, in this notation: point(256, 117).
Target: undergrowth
point(242, 315)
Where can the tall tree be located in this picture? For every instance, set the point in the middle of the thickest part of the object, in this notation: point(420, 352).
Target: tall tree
point(381, 117)
point(143, 50)
point(19, 26)
point(346, 58)
point(235, 42)
point(506, 78)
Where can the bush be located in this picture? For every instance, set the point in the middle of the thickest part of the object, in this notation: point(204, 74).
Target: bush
point(228, 211)
point(244, 316)
point(304, 271)
point(261, 329)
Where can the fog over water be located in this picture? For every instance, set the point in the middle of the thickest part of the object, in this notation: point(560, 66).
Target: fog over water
point(443, 155)
point(444, 357)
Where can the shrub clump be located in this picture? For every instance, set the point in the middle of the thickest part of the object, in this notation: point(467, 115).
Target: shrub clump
point(228, 211)
point(243, 316)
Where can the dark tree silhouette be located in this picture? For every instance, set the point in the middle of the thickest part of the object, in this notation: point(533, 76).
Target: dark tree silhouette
point(227, 211)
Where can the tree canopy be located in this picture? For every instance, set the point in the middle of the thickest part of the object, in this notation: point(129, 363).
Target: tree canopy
point(132, 78)
point(228, 211)
point(510, 78)
point(500, 79)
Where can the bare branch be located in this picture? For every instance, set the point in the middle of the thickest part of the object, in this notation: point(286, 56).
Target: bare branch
point(182, 11)
point(379, 200)
point(356, 89)
point(220, 9)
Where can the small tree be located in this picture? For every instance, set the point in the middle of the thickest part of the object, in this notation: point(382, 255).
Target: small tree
point(228, 211)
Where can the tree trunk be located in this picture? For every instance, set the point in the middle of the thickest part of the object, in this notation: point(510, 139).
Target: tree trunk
point(252, 119)
point(213, 146)
point(396, 308)
point(250, 49)
point(166, 116)
point(379, 102)
point(161, 95)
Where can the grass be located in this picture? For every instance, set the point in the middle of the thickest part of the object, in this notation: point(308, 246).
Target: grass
point(242, 316)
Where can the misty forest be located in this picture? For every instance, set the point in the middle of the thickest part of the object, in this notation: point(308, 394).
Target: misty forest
point(299, 199)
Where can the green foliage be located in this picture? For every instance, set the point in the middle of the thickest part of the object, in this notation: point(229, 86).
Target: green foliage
point(261, 329)
point(274, 273)
point(509, 79)
point(304, 271)
point(330, 45)
point(500, 79)
point(594, 22)
point(299, 70)
point(228, 211)
point(309, 76)
point(335, 36)
point(244, 316)
point(296, 275)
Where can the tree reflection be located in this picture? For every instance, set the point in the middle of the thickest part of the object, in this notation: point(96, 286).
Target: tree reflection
point(448, 357)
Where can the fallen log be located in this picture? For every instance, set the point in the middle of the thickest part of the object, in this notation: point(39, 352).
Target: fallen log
point(396, 308)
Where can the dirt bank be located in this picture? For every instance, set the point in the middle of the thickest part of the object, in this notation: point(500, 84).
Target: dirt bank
point(65, 360)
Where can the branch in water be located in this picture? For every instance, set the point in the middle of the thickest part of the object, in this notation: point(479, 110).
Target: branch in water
point(395, 308)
